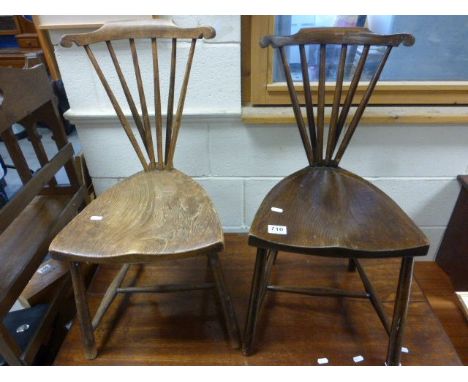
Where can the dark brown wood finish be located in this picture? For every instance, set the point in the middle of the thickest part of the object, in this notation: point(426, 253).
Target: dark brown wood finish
point(40, 209)
point(325, 210)
point(452, 255)
point(185, 329)
point(156, 214)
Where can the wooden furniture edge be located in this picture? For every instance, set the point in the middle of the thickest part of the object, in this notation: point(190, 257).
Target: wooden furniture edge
point(373, 115)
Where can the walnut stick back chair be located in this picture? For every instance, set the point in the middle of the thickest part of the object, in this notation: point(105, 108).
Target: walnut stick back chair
point(323, 209)
point(158, 213)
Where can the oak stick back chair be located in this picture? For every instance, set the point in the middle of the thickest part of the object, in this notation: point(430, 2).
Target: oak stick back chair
point(158, 213)
point(41, 207)
point(323, 209)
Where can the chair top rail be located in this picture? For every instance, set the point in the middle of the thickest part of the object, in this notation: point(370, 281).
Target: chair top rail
point(349, 36)
point(134, 29)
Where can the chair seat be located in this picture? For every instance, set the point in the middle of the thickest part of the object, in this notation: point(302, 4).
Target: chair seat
point(330, 211)
point(146, 216)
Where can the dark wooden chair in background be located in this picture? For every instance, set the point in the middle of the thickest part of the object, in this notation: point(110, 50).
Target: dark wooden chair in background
point(159, 213)
point(39, 210)
point(323, 209)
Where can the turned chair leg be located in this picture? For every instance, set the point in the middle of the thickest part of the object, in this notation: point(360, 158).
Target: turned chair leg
point(82, 310)
point(399, 312)
point(255, 300)
point(225, 300)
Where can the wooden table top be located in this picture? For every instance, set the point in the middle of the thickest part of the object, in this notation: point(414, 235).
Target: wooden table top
point(187, 328)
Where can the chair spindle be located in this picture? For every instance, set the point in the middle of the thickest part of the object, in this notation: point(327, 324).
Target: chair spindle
point(336, 102)
point(144, 108)
point(296, 107)
point(123, 120)
point(308, 101)
point(362, 106)
point(170, 102)
point(180, 105)
point(157, 103)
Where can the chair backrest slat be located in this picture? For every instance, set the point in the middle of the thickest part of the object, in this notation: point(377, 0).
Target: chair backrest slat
point(170, 100)
point(157, 103)
point(350, 95)
point(126, 90)
point(144, 109)
point(321, 100)
point(360, 110)
point(354, 42)
point(336, 102)
point(308, 100)
point(180, 105)
point(154, 30)
point(296, 107)
point(117, 108)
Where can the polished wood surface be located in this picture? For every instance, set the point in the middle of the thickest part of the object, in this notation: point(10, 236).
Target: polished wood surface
point(351, 35)
point(323, 209)
point(452, 255)
point(334, 212)
point(185, 328)
point(156, 214)
point(440, 294)
point(155, 28)
point(149, 215)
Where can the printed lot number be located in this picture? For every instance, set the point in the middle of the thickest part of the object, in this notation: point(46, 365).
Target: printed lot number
point(277, 229)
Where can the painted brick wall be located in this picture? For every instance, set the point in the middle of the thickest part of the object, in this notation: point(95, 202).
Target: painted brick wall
point(238, 164)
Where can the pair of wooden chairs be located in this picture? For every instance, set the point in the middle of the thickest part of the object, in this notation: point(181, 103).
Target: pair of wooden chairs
point(320, 210)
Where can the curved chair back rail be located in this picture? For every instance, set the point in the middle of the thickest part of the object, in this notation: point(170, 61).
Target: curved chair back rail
point(329, 151)
point(154, 30)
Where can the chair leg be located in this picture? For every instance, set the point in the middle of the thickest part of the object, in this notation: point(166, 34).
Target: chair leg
point(82, 310)
point(400, 311)
point(255, 300)
point(225, 300)
point(271, 258)
point(9, 349)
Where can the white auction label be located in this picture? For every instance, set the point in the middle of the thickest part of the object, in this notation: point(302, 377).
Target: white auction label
point(96, 217)
point(277, 229)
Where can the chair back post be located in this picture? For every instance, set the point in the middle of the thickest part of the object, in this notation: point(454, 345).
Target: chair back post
point(329, 150)
point(154, 31)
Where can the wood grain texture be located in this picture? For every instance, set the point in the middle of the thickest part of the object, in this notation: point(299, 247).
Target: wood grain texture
point(146, 216)
point(352, 35)
point(22, 244)
point(330, 211)
point(155, 28)
point(185, 328)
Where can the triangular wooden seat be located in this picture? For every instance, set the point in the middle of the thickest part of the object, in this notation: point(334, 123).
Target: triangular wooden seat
point(323, 209)
point(147, 215)
point(159, 212)
point(328, 210)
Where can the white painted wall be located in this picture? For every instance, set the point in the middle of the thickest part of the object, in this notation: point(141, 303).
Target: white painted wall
point(237, 163)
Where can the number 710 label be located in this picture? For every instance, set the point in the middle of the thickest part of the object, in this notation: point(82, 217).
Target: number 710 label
point(277, 229)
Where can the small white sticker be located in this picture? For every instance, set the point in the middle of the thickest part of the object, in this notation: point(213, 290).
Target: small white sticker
point(96, 217)
point(44, 269)
point(276, 209)
point(404, 350)
point(277, 229)
point(322, 361)
point(358, 358)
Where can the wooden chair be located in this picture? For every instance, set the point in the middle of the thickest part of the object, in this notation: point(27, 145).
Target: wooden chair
point(41, 208)
point(158, 213)
point(323, 209)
